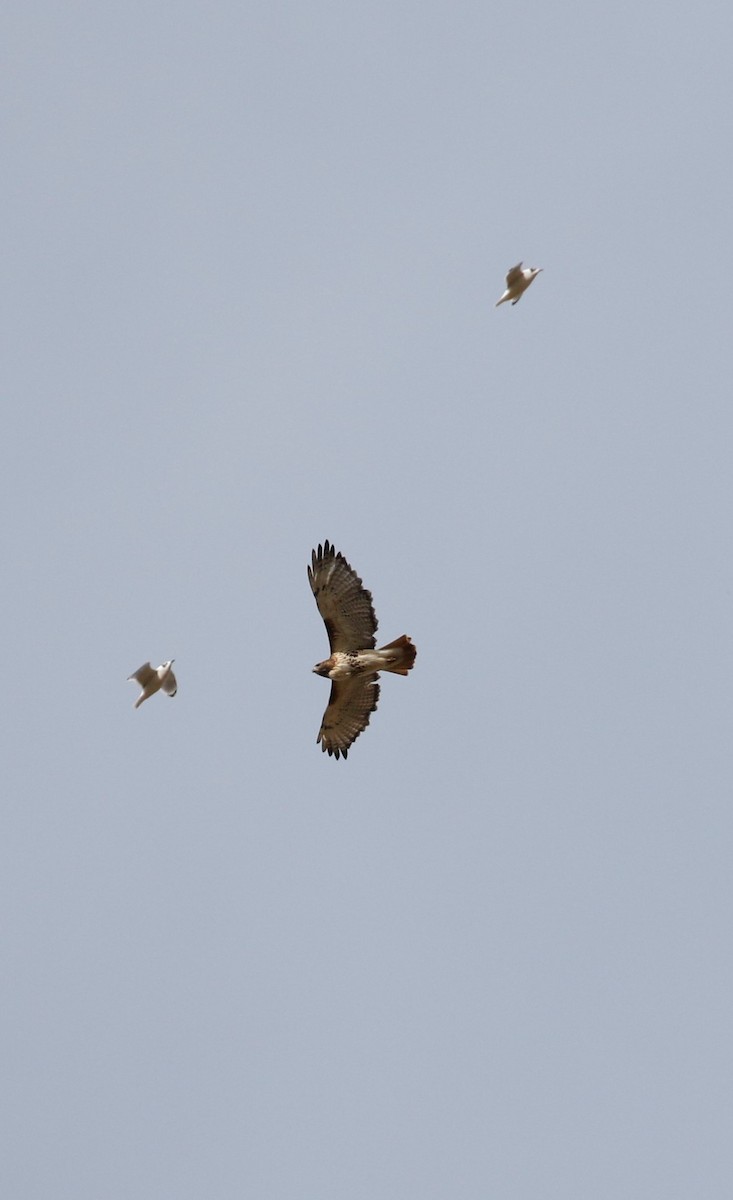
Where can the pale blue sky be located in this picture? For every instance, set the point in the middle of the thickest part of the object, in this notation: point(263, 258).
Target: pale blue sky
point(251, 257)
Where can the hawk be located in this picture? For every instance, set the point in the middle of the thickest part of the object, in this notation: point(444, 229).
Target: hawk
point(152, 679)
point(517, 282)
point(354, 665)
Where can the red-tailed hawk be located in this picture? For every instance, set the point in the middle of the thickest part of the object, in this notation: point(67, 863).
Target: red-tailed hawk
point(346, 608)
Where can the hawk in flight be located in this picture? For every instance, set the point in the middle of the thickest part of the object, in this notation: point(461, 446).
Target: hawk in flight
point(354, 665)
point(517, 282)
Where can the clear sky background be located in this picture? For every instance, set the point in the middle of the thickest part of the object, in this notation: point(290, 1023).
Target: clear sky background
point(251, 256)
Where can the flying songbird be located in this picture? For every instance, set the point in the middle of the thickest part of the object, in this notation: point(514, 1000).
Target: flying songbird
point(152, 679)
point(517, 282)
point(354, 665)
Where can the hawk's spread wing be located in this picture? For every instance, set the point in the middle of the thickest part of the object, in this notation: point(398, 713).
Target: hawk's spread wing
point(143, 675)
point(351, 703)
point(344, 603)
point(513, 274)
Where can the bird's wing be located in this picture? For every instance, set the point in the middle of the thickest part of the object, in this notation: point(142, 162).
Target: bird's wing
point(343, 601)
point(351, 703)
point(513, 274)
point(143, 675)
point(169, 685)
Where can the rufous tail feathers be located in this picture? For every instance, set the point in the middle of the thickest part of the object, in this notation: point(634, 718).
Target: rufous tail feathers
point(402, 655)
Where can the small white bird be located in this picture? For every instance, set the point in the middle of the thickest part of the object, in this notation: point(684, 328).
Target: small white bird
point(152, 679)
point(517, 282)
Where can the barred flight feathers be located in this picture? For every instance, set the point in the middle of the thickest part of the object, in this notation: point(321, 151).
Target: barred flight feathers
point(343, 601)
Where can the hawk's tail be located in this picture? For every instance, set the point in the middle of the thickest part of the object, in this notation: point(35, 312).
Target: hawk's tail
point(399, 656)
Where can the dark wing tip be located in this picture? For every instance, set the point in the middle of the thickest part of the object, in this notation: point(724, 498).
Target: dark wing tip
point(322, 554)
point(331, 751)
